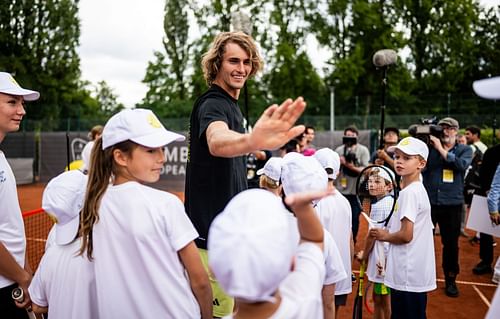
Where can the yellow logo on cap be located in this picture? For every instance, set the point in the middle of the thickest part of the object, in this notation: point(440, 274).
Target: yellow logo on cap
point(404, 142)
point(153, 121)
point(13, 81)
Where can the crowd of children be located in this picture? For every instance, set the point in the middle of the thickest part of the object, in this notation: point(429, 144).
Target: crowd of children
point(281, 252)
point(121, 249)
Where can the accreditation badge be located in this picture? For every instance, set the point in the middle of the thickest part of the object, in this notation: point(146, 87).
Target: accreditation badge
point(447, 176)
point(343, 182)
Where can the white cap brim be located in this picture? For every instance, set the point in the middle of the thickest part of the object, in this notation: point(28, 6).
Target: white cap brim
point(28, 95)
point(158, 139)
point(260, 171)
point(66, 233)
point(488, 88)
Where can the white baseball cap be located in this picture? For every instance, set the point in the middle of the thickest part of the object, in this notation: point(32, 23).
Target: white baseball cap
point(272, 168)
point(9, 86)
point(141, 126)
point(301, 173)
point(329, 159)
point(63, 198)
point(411, 146)
point(488, 88)
point(249, 249)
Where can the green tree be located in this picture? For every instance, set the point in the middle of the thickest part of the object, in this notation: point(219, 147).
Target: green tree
point(38, 41)
point(166, 76)
point(107, 99)
point(441, 41)
point(354, 31)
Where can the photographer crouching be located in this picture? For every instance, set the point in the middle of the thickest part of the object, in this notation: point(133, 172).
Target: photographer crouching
point(444, 182)
point(353, 158)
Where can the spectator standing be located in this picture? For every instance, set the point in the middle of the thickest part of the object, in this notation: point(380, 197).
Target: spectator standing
point(14, 267)
point(353, 158)
point(444, 182)
point(309, 148)
point(491, 159)
point(384, 156)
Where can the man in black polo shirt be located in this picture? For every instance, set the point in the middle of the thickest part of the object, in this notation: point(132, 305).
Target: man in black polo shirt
point(218, 145)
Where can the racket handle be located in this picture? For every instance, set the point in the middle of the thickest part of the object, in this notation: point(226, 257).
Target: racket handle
point(18, 295)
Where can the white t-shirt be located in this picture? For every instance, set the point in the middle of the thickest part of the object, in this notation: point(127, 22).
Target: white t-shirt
point(335, 214)
point(412, 267)
point(379, 211)
point(65, 282)
point(334, 268)
point(11, 220)
point(301, 289)
point(136, 243)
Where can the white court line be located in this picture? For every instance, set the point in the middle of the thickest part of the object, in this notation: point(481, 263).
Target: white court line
point(483, 284)
point(485, 300)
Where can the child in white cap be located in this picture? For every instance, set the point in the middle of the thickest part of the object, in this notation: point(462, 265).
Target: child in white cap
point(411, 269)
point(270, 176)
point(335, 214)
point(380, 187)
point(141, 240)
point(14, 268)
point(250, 254)
point(301, 174)
point(64, 283)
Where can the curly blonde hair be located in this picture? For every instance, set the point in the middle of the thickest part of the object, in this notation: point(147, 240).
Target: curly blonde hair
point(212, 59)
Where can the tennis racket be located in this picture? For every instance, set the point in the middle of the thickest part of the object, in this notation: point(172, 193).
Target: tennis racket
point(377, 191)
point(357, 311)
point(18, 295)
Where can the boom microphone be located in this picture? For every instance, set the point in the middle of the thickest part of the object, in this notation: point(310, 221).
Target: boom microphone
point(385, 57)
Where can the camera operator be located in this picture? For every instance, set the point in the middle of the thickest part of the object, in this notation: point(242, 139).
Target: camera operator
point(353, 158)
point(444, 182)
point(383, 156)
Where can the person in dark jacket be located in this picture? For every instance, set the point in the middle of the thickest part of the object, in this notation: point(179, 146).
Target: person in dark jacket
point(444, 182)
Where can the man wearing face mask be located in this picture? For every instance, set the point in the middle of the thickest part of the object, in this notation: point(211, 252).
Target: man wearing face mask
point(383, 156)
point(353, 158)
point(444, 182)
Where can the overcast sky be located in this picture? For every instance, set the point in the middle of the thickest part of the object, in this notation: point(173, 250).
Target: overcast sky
point(118, 39)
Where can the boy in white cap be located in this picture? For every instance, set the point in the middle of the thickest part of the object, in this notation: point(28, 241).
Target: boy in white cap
point(14, 268)
point(411, 268)
point(335, 214)
point(64, 283)
point(145, 259)
point(254, 232)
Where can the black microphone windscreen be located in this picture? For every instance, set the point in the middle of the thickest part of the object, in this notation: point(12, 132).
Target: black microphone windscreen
point(385, 57)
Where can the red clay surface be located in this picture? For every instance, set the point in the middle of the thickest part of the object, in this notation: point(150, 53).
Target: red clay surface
point(473, 288)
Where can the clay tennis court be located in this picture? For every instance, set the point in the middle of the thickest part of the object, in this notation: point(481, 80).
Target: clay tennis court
point(475, 291)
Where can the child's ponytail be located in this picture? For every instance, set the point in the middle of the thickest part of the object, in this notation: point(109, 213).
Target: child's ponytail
point(99, 177)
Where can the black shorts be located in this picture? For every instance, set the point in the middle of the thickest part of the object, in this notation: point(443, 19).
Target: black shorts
point(340, 300)
point(8, 308)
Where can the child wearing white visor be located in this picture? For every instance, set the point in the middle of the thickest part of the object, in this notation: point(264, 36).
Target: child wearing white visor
point(64, 283)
